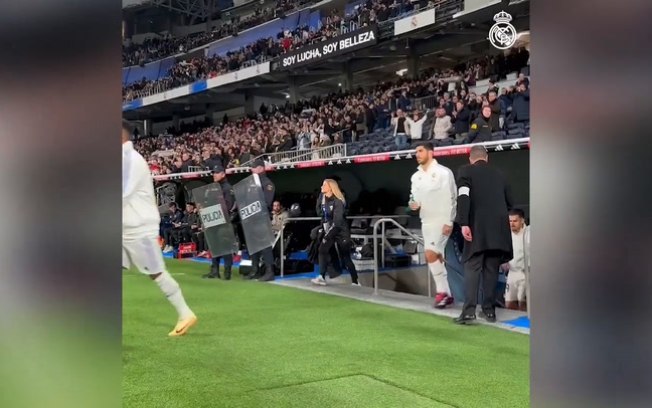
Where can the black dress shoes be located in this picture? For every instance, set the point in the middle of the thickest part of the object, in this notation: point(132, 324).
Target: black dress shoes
point(464, 319)
point(489, 316)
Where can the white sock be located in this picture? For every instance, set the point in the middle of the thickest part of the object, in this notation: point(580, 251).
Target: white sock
point(438, 272)
point(172, 291)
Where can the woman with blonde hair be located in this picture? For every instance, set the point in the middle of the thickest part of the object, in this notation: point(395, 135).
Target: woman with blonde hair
point(335, 231)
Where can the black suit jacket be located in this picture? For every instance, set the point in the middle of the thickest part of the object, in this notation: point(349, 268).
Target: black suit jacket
point(483, 203)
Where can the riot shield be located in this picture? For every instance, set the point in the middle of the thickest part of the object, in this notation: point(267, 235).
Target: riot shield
point(215, 219)
point(254, 215)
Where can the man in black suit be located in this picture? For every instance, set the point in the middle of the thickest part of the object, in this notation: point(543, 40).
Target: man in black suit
point(483, 203)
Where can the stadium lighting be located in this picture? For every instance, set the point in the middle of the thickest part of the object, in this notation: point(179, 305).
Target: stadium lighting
point(401, 72)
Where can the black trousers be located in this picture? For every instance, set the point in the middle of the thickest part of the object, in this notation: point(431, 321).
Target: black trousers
point(266, 254)
point(485, 264)
point(344, 245)
point(198, 239)
point(228, 261)
point(167, 236)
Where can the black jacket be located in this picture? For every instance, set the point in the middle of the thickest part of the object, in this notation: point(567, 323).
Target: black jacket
point(495, 115)
point(193, 219)
point(485, 208)
point(461, 120)
point(268, 190)
point(333, 214)
point(480, 130)
point(229, 195)
point(177, 217)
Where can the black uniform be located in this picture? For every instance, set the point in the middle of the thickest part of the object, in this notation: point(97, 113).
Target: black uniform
point(193, 230)
point(483, 204)
point(171, 233)
point(267, 254)
point(336, 232)
point(229, 201)
point(480, 130)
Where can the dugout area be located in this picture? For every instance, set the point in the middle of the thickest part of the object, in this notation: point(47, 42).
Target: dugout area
point(268, 345)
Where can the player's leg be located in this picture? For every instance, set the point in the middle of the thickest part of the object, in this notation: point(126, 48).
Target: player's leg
point(521, 293)
point(433, 251)
point(511, 292)
point(145, 253)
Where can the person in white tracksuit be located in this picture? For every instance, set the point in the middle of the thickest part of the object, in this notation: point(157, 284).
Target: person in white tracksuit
point(516, 291)
point(434, 195)
point(140, 229)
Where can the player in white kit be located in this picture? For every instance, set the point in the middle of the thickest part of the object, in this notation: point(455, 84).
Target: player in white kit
point(434, 194)
point(516, 290)
point(140, 229)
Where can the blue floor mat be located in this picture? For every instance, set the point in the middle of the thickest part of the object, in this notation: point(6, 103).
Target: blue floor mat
point(523, 322)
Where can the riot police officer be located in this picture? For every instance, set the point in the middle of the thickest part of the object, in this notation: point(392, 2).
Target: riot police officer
point(219, 176)
point(258, 167)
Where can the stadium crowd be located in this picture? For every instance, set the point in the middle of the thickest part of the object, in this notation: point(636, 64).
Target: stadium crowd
point(201, 68)
point(156, 48)
point(345, 116)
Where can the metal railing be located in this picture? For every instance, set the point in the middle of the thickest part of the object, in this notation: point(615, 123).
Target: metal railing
point(294, 156)
point(382, 223)
point(425, 102)
point(355, 217)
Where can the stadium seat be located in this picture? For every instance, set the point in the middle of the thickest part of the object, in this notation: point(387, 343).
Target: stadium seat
point(515, 125)
point(497, 136)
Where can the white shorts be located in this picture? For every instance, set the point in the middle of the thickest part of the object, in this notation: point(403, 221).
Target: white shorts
point(144, 253)
point(516, 287)
point(433, 239)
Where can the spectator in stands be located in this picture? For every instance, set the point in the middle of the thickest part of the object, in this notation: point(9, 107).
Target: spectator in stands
point(182, 164)
point(447, 104)
point(522, 79)
point(416, 124)
point(461, 119)
point(481, 127)
point(506, 101)
point(443, 125)
point(369, 117)
point(401, 129)
point(494, 104)
point(521, 104)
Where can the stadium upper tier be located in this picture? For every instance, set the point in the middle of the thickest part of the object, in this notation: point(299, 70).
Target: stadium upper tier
point(347, 124)
point(157, 48)
point(263, 43)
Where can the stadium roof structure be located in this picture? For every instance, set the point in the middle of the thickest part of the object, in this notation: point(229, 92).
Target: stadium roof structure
point(193, 8)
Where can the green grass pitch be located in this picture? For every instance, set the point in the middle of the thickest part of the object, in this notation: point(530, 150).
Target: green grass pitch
point(262, 345)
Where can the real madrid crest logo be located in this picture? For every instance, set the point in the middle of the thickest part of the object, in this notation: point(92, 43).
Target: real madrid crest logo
point(502, 35)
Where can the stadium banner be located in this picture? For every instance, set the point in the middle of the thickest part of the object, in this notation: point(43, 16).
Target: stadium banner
point(415, 22)
point(341, 44)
